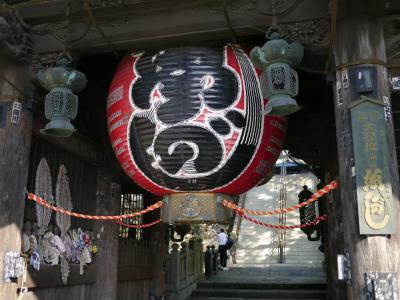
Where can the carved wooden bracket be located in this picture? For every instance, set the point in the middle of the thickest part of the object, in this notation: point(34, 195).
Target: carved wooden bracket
point(15, 35)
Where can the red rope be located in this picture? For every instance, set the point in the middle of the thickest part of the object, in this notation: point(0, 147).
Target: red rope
point(138, 225)
point(326, 189)
point(44, 203)
point(273, 226)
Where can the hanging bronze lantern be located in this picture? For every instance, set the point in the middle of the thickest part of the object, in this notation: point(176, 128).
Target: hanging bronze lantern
point(279, 82)
point(61, 104)
point(307, 215)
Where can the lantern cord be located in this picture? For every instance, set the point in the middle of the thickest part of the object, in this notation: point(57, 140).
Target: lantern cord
point(44, 203)
point(66, 33)
point(326, 189)
point(228, 21)
point(332, 34)
point(306, 167)
point(273, 226)
point(274, 17)
point(96, 25)
point(119, 222)
point(282, 13)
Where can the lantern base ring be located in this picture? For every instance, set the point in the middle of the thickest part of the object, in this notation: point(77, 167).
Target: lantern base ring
point(195, 208)
point(281, 105)
point(59, 127)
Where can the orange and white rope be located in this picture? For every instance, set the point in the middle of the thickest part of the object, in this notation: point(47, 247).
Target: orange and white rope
point(273, 226)
point(43, 202)
point(119, 222)
point(326, 189)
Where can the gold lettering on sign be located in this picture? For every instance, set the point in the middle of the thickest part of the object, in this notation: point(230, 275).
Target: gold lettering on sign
point(369, 135)
point(376, 194)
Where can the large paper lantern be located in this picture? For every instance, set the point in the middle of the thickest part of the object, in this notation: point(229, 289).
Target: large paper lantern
point(190, 120)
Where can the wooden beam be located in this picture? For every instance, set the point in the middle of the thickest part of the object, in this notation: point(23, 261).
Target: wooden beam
point(50, 276)
point(129, 27)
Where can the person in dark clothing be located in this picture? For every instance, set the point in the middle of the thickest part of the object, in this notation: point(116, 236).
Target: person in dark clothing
point(307, 213)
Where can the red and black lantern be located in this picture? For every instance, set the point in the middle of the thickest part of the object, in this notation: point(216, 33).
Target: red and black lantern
point(190, 120)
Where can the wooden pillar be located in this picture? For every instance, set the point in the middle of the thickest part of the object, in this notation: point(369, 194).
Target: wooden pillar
point(360, 43)
point(15, 141)
point(160, 250)
point(108, 195)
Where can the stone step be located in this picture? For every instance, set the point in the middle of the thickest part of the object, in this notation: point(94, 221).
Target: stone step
point(261, 285)
point(244, 263)
point(262, 265)
point(275, 254)
point(260, 252)
point(274, 260)
point(297, 246)
point(224, 298)
point(283, 293)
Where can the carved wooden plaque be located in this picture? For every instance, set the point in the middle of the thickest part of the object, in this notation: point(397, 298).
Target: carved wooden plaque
point(376, 210)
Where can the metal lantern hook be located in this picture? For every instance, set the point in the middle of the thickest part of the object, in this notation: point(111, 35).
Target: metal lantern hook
point(273, 32)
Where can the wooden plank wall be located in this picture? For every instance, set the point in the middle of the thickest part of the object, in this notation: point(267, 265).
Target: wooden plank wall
point(135, 269)
point(135, 257)
point(82, 180)
point(137, 290)
point(46, 283)
point(132, 252)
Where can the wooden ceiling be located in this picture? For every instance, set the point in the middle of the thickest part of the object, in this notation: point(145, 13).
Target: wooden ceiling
point(94, 29)
point(134, 24)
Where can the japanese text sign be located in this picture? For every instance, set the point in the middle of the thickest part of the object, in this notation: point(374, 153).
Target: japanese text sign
point(376, 211)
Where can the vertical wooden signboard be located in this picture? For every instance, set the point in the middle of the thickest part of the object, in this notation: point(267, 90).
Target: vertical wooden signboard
point(376, 210)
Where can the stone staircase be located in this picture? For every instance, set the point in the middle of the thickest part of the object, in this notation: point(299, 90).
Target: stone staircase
point(257, 273)
point(257, 245)
point(277, 282)
point(219, 291)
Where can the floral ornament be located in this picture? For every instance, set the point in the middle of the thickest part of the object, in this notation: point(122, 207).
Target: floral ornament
point(68, 247)
point(83, 239)
point(14, 265)
point(35, 260)
point(33, 242)
point(74, 238)
point(45, 248)
point(86, 238)
point(84, 259)
point(95, 249)
point(58, 244)
point(25, 243)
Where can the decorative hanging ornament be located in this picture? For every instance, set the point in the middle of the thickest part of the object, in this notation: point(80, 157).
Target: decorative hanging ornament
point(279, 82)
point(61, 104)
point(43, 187)
point(189, 120)
point(63, 199)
